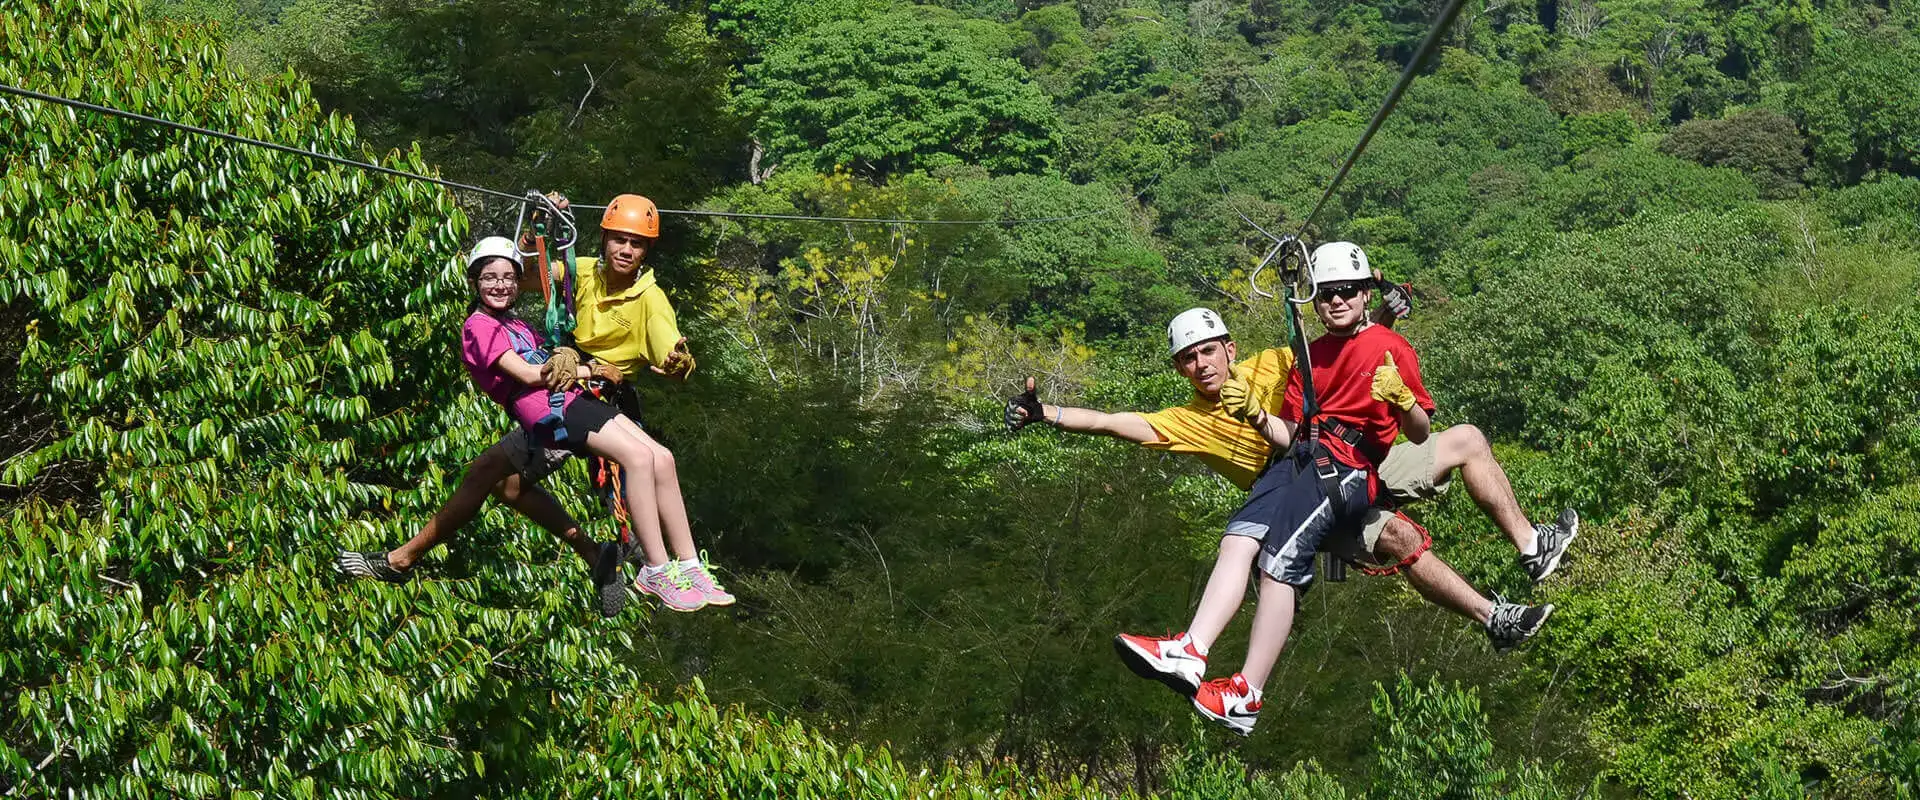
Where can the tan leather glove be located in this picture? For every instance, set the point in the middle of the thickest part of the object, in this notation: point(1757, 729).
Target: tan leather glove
point(1389, 388)
point(562, 368)
point(606, 371)
point(679, 364)
point(1237, 398)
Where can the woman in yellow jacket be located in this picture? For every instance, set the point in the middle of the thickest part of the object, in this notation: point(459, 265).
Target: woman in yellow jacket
point(624, 323)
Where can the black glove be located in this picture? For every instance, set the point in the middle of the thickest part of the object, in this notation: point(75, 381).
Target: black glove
point(1023, 409)
point(1398, 297)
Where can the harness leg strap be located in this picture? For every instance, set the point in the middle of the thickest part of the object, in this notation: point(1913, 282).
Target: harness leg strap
point(1426, 543)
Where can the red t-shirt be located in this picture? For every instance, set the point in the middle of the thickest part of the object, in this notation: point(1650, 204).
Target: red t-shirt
point(1343, 379)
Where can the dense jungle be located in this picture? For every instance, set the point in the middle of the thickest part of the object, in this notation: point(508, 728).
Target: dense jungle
point(1664, 253)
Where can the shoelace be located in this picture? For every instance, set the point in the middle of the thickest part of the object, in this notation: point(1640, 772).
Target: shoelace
point(706, 569)
point(1504, 620)
point(678, 576)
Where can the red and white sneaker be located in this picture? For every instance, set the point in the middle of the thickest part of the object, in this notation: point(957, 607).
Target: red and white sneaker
point(1230, 702)
point(1173, 661)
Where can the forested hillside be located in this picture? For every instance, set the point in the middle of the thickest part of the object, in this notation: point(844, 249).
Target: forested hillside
point(1665, 254)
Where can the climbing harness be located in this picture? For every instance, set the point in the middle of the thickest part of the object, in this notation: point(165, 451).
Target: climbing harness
point(556, 401)
point(1426, 544)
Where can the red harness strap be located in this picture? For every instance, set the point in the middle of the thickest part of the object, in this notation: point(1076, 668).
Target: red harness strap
point(1426, 543)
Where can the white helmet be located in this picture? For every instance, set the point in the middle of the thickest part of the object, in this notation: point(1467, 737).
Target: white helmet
point(1193, 325)
point(1339, 262)
point(493, 247)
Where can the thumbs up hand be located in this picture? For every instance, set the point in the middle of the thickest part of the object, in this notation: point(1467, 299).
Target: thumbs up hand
point(1024, 409)
point(1389, 388)
point(1236, 397)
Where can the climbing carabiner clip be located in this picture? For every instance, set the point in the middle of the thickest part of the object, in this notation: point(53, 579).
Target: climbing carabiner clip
point(1294, 272)
point(540, 209)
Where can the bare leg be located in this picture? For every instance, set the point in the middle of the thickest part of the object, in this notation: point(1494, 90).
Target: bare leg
point(1433, 578)
point(1226, 589)
point(492, 473)
point(666, 492)
point(1272, 623)
point(485, 471)
point(636, 461)
point(1465, 448)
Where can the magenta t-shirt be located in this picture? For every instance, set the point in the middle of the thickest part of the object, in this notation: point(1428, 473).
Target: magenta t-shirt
point(484, 339)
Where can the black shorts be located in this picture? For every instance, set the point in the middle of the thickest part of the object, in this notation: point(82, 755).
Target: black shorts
point(585, 415)
point(1291, 515)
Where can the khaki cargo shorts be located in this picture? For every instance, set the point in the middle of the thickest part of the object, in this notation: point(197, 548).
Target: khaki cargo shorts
point(1408, 475)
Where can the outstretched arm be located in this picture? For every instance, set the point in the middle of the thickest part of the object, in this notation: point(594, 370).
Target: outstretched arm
point(1124, 425)
point(1025, 409)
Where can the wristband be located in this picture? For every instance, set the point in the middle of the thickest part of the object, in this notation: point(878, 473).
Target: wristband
point(1059, 415)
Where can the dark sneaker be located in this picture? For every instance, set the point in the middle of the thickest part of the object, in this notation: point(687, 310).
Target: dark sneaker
point(608, 588)
point(1551, 544)
point(371, 566)
point(1172, 661)
point(1230, 702)
point(1512, 623)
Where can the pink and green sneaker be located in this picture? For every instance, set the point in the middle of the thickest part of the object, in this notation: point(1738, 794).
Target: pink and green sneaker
point(703, 580)
point(673, 584)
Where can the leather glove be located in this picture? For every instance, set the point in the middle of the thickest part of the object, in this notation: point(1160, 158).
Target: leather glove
point(606, 371)
point(1024, 409)
point(1237, 398)
point(1398, 297)
point(562, 368)
point(1389, 388)
point(679, 364)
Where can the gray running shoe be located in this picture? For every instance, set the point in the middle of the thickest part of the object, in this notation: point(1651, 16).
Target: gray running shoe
point(1512, 623)
point(372, 566)
point(1554, 537)
point(608, 587)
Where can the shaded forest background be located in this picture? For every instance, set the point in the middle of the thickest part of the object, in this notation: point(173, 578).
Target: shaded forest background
point(1666, 255)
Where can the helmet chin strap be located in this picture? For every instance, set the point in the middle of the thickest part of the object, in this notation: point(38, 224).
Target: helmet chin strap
point(1355, 328)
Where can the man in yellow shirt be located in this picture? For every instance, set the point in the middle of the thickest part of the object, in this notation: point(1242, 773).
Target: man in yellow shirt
point(623, 322)
point(1203, 352)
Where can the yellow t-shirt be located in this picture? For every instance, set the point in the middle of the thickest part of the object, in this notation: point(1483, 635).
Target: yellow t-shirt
point(632, 329)
point(1226, 445)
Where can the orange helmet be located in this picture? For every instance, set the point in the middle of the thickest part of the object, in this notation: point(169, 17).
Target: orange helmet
point(631, 213)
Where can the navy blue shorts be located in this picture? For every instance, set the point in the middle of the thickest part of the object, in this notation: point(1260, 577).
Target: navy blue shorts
point(1291, 515)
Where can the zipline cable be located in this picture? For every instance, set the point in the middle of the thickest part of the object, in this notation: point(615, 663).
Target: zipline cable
point(349, 162)
point(1418, 62)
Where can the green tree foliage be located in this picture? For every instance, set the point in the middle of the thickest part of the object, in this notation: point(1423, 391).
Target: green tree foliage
point(1761, 143)
point(910, 88)
point(1859, 104)
point(1621, 280)
point(251, 358)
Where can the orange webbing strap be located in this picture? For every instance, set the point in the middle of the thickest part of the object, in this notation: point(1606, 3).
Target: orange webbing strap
point(609, 479)
point(546, 278)
point(1426, 543)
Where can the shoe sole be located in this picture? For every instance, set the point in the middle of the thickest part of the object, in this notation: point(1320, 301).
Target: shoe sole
point(1244, 729)
point(1573, 532)
point(1142, 665)
point(609, 587)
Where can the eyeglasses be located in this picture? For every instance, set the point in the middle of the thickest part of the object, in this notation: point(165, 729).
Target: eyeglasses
point(1344, 291)
point(496, 280)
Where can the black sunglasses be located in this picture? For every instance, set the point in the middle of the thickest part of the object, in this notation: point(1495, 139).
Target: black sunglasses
point(1344, 291)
